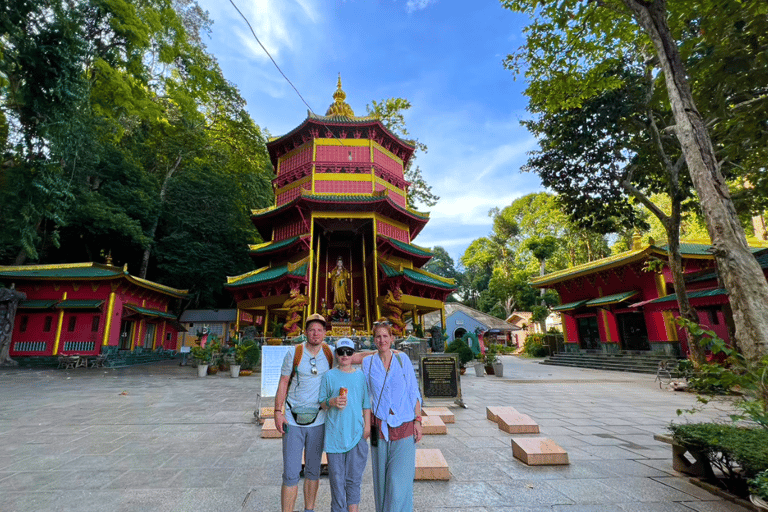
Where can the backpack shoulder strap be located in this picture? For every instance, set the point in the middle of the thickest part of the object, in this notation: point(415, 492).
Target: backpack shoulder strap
point(328, 354)
point(296, 360)
point(397, 354)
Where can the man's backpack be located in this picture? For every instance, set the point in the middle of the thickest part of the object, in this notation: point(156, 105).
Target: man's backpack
point(300, 352)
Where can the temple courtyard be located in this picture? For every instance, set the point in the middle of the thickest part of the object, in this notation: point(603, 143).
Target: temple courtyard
point(158, 438)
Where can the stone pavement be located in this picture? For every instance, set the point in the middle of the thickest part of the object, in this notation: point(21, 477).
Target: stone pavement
point(158, 438)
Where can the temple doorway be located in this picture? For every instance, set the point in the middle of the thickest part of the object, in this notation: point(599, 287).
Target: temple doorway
point(589, 334)
point(634, 335)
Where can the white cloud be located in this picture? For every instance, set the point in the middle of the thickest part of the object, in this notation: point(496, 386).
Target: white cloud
point(417, 5)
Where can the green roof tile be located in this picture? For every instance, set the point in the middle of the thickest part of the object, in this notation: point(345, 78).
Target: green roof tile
point(692, 295)
point(36, 304)
point(69, 273)
point(274, 246)
point(270, 274)
point(611, 299)
point(79, 304)
point(423, 276)
point(570, 306)
point(412, 249)
point(151, 312)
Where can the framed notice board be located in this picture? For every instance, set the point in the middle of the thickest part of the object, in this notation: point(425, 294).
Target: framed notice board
point(439, 377)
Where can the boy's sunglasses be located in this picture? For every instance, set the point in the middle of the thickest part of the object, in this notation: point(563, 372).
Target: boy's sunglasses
point(344, 352)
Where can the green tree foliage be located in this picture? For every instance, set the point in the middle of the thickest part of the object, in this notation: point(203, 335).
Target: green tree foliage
point(124, 137)
point(571, 48)
point(391, 113)
point(530, 231)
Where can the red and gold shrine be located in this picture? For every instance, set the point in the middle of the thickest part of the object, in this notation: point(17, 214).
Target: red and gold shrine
point(340, 233)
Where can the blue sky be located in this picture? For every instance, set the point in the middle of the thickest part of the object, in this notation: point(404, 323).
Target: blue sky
point(444, 56)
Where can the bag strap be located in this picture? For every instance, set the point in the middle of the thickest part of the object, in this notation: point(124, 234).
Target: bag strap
point(296, 360)
point(328, 354)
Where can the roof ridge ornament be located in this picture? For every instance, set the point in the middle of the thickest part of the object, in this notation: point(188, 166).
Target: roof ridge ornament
point(339, 107)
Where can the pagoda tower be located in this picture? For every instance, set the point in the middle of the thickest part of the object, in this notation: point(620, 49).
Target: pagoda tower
point(340, 233)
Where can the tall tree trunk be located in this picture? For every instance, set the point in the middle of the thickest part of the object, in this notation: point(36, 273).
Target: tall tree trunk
point(742, 275)
point(156, 221)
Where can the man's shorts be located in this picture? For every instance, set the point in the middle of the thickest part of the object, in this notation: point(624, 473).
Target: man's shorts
point(296, 441)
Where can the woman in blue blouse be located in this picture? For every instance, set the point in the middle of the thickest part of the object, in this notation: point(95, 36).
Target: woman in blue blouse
point(396, 422)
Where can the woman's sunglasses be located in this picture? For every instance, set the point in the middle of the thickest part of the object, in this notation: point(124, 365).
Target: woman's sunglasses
point(344, 352)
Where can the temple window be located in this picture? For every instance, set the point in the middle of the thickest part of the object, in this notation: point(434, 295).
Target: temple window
point(23, 322)
point(72, 323)
point(95, 324)
point(47, 325)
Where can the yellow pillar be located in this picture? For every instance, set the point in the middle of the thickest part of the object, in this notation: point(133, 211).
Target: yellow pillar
point(108, 323)
point(376, 271)
point(58, 328)
point(365, 288)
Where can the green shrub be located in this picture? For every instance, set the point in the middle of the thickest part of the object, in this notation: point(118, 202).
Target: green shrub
point(740, 453)
point(759, 485)
point(533, 346)
point(460, 347)
point(248, 354)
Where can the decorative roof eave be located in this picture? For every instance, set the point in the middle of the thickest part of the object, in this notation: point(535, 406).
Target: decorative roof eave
point(412, 252)
point(688, 249)
point(379, 201)
point(269, 275)
point(611, 299)
point(313, 122)
point(698, 298)
point(88, 271)
point(417, 276)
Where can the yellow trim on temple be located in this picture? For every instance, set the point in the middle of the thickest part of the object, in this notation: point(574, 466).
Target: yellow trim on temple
point(290, 154)
point(292, 185)
point(59, 326)
point(321, 141)
point(108, 323)
point(327, 176)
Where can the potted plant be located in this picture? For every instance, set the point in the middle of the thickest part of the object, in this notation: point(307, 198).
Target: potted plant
point(498, 367)
point(462, 349)
point(758, 487)
point(479, 366)
point(247, 354)
point(489, 359)
point(202, 356)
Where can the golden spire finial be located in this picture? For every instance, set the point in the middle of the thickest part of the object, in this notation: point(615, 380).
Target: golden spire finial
point(637, 241)
point(339, 107)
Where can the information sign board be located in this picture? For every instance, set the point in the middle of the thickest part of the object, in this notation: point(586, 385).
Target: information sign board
point(271, 361)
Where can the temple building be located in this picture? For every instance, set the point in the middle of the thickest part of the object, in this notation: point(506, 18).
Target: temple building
point(619, 304)
point(89, 309)
point(339, 237)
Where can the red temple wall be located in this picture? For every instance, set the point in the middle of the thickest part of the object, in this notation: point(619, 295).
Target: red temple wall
point(301, 157)
point(386, 229)
point(342, 187)
point(83, 319)
point(292, 193)
point(341, 154)
point(398, 197)
point(388, 163)
point(290, 230)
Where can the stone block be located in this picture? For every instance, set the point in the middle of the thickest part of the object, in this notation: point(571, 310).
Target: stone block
point(443, 412)
point(492, 413)
point(266, 413)
point(432, 425)
point(538, 451)
point(517, 423)
point(269, 430)
point(431, 465)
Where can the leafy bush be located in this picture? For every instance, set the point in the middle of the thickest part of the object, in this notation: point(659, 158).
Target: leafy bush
point(759, 485)
point(533, 346)
point(739, 453)
point(730, 372)
point(460, 347)
point(248, 354)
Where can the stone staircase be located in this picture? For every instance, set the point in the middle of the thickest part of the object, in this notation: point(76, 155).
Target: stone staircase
point(635, 362)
